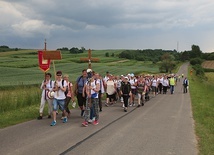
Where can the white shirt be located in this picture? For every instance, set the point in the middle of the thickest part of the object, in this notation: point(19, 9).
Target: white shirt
point(93, 86)
point(165, 82)
point(154, 82)
point(110, 87)
point(60, 95)
point(49, 85)
point(132, 82)
point(160, 80)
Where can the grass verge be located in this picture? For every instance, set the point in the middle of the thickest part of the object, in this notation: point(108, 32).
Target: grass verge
point(202, 98)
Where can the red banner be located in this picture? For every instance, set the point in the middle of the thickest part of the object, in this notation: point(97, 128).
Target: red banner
point(44, 65)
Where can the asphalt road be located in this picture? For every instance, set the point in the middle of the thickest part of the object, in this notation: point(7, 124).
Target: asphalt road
point(163, 126)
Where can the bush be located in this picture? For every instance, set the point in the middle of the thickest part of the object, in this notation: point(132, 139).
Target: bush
point(199, 71)
point(195, 61)
point(208, 70)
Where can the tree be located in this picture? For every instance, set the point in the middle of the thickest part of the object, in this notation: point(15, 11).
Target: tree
point(167, 64)
point(185, 56)
point(107, 54)
point(196, 52)
point(83, 48)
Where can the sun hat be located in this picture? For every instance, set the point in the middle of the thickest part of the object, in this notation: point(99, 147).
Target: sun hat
point(50, 94)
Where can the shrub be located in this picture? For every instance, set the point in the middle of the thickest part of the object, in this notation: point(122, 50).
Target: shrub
point(195, 61)
point(199, 71)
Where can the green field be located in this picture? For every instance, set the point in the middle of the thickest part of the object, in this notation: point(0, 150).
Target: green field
point(201, 91)
point(21, 67)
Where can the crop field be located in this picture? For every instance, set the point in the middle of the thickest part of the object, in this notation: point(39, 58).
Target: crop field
point(208, 64)
point(21, 67)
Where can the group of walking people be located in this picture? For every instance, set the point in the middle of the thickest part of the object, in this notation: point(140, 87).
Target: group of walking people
point(91, 87)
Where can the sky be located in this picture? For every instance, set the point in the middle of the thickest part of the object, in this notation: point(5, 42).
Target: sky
point(108, 24)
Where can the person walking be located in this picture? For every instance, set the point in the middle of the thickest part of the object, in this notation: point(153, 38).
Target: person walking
point(154, 84)
point(125, 91)
point(185, 85)
point(80, 82)
point(165, 84)
point(141, 90)
point(46, 86)
point(69, 94)
point(99, 78)
point(110, 91)
point(172, 83)
point(92, 88)
point(133, 82)
point(59, 97)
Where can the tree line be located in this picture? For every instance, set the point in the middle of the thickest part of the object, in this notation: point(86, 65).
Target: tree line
point(167, 58)
point(73, 50)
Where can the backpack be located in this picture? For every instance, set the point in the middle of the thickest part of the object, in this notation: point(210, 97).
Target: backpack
point(66, 91)
point(123, 85)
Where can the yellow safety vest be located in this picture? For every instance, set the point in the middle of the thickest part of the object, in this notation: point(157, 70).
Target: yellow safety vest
point(172, 81)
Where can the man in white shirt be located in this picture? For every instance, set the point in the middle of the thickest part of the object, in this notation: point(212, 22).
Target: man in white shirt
point(59, 97)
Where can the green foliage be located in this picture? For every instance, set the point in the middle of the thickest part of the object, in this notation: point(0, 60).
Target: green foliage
point(203, 111)
point(208, 56)
point(19, 97)
point(107, 54)
point(195, 61)
point(208, 70)
point(4, 46)
point(75, 50)
point(167, 64)
point(185, 56)
point(147, 55)
point(199, 71)
point(196, 52)
point(63, 49)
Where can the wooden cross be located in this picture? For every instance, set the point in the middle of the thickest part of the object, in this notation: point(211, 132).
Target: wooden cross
point(89, 59)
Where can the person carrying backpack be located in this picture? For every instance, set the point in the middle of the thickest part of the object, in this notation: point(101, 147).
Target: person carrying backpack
point(68, 93)
point(185, 85)
point(59, 97)
point(46, 86)
point(125, 91)
point(80, 82)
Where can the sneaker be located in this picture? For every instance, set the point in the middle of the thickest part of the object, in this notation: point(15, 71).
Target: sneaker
point(49, 116)
point(133, 104)
point(62, 118)
point(85, 123)
point(106, 104)
point(65, 120)
point(138, 105)
point(125, 110)
point(90, 121)
point(130, 105)
point(53, 123)
point(95, 122)
point(40, 117)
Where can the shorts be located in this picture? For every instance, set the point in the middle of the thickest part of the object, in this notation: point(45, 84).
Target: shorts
point(112, 96)
point(81, 100)
point(58, 103)
point(154, 89)
point(134, 91)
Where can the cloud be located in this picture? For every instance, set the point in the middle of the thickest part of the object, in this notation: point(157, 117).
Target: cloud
point(112, 23)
